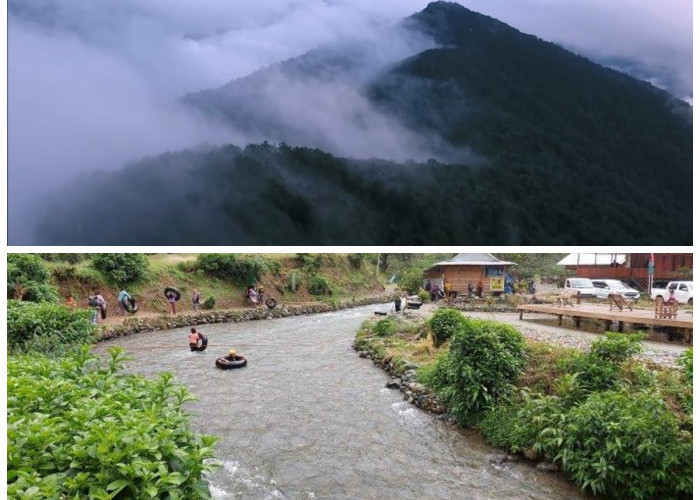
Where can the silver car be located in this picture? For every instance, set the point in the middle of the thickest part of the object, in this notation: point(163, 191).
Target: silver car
point(605, 287)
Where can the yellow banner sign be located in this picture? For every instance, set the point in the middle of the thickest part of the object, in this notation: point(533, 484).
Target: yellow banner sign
point(497, 284)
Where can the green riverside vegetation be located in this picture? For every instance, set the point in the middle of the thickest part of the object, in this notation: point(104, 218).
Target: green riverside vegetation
point(618, 427)
point(77, 429)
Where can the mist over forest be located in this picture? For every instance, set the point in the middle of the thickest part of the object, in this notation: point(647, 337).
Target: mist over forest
point(445, 126)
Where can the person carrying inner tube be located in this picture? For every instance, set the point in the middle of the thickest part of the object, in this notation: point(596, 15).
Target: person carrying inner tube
point(121, 298)
point(171, 299)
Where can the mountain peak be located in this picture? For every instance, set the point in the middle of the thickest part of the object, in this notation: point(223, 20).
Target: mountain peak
point(451, 23)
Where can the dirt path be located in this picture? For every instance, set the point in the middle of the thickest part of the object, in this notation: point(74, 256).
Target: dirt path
point(113, 318)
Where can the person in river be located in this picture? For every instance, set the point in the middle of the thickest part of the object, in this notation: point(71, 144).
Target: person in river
point(196, 299)
point(194, 339)
point(171, 299)
point(233, 356)
point(123, 296)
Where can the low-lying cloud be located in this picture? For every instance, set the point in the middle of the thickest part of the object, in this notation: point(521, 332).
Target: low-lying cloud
point(92, 85)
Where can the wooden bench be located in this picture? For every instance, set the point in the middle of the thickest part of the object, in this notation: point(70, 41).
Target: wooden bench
point(665, 310)
point(618, 300)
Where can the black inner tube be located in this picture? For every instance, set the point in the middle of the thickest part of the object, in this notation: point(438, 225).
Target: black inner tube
point(271, 303)
point(174, 291)
point(130, 305)
point(226, 364)
point(202, 344)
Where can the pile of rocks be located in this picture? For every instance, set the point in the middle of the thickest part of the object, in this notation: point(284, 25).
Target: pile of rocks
point(407, 381)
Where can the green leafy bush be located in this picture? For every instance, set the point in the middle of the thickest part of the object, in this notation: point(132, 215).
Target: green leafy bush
point(484, 361)
point(28, 279)
point(310, 262)
point(623, 445)
point(52, 329)
point(71, 258)
point(444, 323)
point(239, 269)
point(616, 347)
point(209, 303)
point(78, 430)
point(318, 285)
point(423, 295)
point(121, 268)
point(599, 369)
point(384, 327)
point(411, 281)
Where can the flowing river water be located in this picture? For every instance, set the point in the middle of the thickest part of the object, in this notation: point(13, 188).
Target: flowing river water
point(308, 418)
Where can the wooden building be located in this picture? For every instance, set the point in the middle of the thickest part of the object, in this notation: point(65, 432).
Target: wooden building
point(469, 268)
point(630, 267)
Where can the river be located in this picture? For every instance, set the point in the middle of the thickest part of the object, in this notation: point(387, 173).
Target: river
point(309, 419)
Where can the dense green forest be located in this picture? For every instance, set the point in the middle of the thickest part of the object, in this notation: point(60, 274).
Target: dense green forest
point(548, 148)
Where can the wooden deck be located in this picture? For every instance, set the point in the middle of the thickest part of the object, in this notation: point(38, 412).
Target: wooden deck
point(683, 321)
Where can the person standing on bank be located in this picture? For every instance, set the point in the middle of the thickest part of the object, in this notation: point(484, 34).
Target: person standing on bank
point(196, 299)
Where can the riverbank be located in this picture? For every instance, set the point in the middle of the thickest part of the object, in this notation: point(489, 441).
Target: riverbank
point(540, 400)
point(135, 324)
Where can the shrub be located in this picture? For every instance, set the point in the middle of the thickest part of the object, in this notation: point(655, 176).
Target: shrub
point(52, 329)
point(616, 347)
point(310, 262)
point(78, 430)
point(437, 373)
point(623, 445)
point(423, 295)
point(318, 285)
point(239, 269)
point(28, 279)
point(599, 369)
point(209, 303)
point(121, 268)
point(517, 425)
point(384, 327)
point(411, 281)
point(444, 323)
point(71, 258)
point(355, 260)
point(485, 358)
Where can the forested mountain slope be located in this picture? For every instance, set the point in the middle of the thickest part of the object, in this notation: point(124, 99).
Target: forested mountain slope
point(535, 145)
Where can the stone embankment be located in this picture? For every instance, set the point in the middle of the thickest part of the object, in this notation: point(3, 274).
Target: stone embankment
point(135, 324)
point(405, 378)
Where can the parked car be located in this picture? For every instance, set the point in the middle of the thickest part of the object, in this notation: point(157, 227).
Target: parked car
point(605, 287)
point(582, 285)
point(683, 291)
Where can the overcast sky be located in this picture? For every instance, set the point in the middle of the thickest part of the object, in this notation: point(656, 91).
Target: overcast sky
point(91, 83)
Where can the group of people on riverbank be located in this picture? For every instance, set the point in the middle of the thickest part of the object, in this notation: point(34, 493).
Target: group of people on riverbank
point(96, 301)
